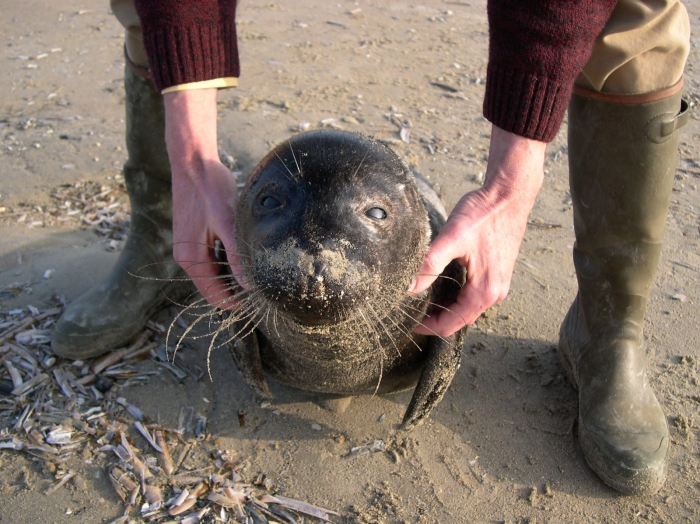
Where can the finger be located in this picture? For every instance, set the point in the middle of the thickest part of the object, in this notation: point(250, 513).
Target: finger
point(471, 303)
point(443, 324)
point(215, 289)
point(442, 251)
point(234, 261)
point(205, 273)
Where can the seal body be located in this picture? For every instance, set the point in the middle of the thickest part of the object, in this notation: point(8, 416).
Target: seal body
point(331, 229)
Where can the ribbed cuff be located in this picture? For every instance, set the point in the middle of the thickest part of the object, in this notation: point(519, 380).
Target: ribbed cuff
point(525, 104)
point(183, 55)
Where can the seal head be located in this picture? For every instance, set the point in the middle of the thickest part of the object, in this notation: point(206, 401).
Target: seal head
point(332, 227)
point(328, 221)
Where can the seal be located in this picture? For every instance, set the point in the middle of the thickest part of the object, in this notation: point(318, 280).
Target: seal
point(332, 227)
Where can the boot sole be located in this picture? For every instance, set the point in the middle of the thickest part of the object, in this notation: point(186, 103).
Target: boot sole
point(625, 480)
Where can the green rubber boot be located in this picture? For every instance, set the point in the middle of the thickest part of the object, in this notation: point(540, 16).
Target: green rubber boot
point(622, 160)
point(145, 277)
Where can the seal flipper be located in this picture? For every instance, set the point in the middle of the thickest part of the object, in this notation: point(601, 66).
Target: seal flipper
point(246, 355)
point(441, 366)
point(445, 354)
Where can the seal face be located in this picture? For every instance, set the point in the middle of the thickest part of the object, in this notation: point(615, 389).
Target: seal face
point(332, 228)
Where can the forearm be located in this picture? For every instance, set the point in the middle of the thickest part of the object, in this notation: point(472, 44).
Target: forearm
point(190, 130)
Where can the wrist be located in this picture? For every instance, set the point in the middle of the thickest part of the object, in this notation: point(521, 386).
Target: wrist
point(516, 166)
point(190, 128)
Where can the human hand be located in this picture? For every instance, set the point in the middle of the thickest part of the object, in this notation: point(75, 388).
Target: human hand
point(204, 194)
point(483, 233)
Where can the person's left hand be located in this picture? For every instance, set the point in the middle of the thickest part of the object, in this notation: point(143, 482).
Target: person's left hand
point(204, 194)
point(483, 233)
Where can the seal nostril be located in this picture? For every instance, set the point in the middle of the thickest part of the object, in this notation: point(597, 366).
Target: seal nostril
point(319, 267)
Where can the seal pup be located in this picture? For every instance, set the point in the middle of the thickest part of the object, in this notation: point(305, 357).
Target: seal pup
point(332, 227)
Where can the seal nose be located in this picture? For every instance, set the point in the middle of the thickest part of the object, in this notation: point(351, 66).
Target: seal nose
point(319, 267)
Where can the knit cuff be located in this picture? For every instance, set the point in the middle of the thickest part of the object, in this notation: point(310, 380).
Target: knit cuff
point(524, 103)
point(182, 55)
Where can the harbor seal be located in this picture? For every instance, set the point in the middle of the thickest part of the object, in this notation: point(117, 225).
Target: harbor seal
point(331, 228)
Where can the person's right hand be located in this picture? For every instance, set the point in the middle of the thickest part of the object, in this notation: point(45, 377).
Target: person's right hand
point(483, 233)
point(204, 194)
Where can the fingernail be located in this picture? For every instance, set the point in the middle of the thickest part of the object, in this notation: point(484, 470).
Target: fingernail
point(412, 286)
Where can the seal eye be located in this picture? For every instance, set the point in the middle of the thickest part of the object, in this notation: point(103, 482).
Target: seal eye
point(269, 202)
point(377, 213)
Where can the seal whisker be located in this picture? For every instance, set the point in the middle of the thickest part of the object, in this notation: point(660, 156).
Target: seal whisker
point(378, 346)
point(271, 308)
point(441, 276)
point(384, 327)
point(445, 308)
point(225, 322)
point(229, 284)
point(185, 311)
point(216, 334)
point(360, 164)
point(247, 303)
point(244, 328)
point(274, 320)
point(180, 303)
point(208, 314)
point(277, 169)
point(193, 264)
point(181, 337)
point(402, 329)
point(298, 164)
point(214, 247)
point(238, 298)
point(293, 178)
point(156, 279)
point(420, 322)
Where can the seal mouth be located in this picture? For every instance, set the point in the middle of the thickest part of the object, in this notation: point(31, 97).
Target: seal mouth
point(315, 320)
point(317, 285)
point(315, 303)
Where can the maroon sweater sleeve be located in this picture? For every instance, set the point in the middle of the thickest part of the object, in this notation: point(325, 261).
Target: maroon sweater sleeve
point(536, 49)
point(189, 40)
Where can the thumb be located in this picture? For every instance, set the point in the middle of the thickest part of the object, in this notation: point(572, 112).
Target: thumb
point(442, 251)
point(233, 261)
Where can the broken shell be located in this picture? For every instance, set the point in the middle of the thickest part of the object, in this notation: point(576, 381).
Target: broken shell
point(200, 427)
point(164, 456)
point(144, 432)
point(304, 507)
point(60, 436)
point(222, 500)
point(153, 496)
point(65, 479)
point(181, 498)
point(184, 420)
point(187, 504)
